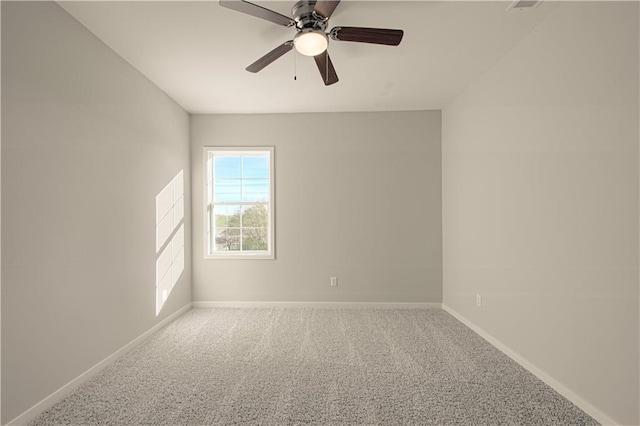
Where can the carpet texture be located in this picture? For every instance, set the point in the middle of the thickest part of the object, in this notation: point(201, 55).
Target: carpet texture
point(321, 366)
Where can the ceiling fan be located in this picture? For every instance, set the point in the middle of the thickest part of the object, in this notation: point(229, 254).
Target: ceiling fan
point(310, 20)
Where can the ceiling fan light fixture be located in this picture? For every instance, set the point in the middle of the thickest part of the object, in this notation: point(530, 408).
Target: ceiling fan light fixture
point(311, 42)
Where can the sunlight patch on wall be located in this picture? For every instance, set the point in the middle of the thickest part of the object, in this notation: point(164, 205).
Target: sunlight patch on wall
point(169, 238)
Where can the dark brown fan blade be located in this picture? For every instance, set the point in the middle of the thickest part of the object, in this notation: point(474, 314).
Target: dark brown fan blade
point(271, 56)
point(367, 35)
point(325, 8)
point(328, 73)
point(258, 12)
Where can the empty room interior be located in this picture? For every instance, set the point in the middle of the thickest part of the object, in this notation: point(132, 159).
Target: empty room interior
point(355, 212)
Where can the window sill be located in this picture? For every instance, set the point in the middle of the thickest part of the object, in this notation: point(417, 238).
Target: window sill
point(243, 256)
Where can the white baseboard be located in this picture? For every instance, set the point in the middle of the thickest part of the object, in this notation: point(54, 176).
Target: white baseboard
point(563, 390)
point(58, 395)
point(345, 305)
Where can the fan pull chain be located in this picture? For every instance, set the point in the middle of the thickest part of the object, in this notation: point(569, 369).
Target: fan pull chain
point(295, 66)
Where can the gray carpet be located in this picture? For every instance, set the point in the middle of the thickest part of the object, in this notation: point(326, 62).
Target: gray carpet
point(319, 366)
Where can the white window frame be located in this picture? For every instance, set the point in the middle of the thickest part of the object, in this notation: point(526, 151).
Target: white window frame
point(208, 231)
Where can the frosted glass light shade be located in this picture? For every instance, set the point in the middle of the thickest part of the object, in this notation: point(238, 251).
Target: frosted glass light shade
point(311, 43)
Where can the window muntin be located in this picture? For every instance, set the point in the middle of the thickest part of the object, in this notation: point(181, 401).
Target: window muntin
point(239, 203)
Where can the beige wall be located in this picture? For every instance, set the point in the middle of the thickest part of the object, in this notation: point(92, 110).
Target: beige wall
point(87, 143)
point(540, 202)
point(357, 197)
point(0, 226)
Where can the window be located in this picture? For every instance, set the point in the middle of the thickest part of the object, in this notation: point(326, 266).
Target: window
point(239, 203)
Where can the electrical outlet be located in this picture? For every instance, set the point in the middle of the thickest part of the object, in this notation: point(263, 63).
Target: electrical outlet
point(334, 281)
point(478, 301)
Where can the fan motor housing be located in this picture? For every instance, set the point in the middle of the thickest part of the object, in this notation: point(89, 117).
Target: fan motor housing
point(305, 17)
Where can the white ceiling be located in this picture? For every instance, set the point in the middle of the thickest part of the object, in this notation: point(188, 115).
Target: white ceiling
point(197, 51)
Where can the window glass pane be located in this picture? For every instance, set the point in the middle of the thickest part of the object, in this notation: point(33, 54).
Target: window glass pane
point(227, 239)
point(227, 167)
point(227, 190)
point(254, 239)
point(255, 167)
point(254, 216)
point(255, 190)
point(227, 216)
point(209, 168)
